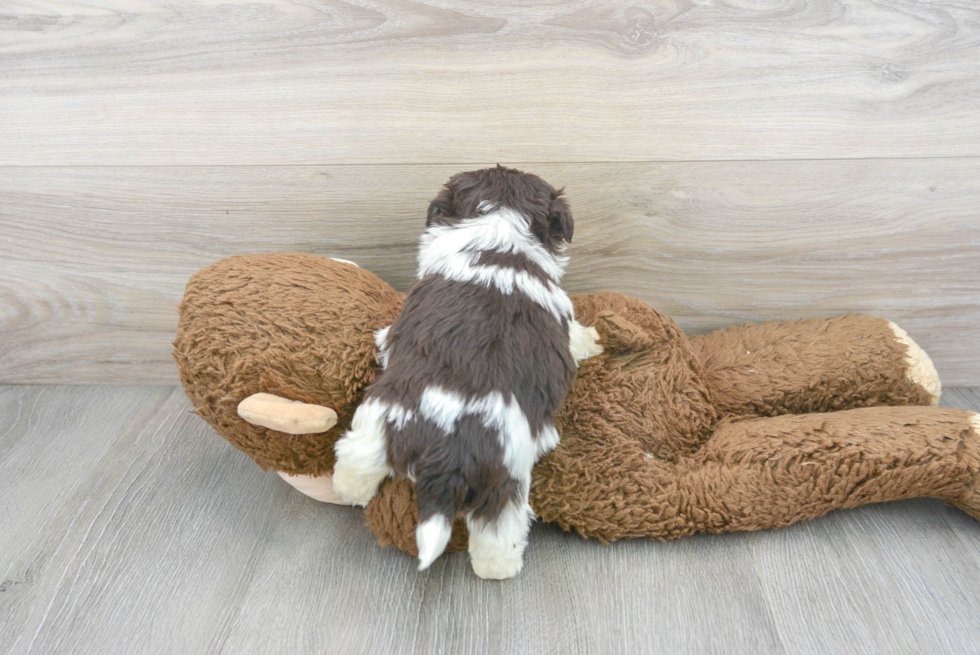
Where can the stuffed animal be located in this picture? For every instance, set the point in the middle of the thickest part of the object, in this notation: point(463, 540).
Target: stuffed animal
point(662, 435)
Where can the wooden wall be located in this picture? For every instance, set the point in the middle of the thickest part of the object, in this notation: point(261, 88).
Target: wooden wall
point(726, 161)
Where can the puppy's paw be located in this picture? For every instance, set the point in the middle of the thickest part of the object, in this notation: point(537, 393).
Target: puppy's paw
point(583, 341)
point(356, 487)
point(497, 568)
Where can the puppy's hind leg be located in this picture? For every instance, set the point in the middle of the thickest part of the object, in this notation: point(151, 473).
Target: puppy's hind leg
point(497, 545)
point(362, 459)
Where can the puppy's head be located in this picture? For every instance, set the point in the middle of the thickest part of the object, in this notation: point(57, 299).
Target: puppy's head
point(468, 195)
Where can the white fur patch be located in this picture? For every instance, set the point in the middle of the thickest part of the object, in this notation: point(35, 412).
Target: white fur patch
point(381, 341)
point(583, 341)
point(497, 548)
point(921, 370)
point(431, 537)
point(400, 416)
point(442, 407)
point(547, 441)
point(452, 251)
point(362, 459)
point(514, 432)
point(521, 451)
point(502, 230)
point(462, 267)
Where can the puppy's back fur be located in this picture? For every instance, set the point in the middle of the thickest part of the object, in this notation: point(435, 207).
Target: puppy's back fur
point(476, 365)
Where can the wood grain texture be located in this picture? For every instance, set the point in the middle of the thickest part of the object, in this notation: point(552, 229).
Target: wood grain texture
point(127, 82)
point(94, 260)
point(866, 578)
point(128, 526)
point(110, 549)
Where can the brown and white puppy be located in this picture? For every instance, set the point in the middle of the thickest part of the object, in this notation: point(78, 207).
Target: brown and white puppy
point(476, 366)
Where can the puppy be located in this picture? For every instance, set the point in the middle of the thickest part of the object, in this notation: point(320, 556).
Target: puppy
point(475, 368)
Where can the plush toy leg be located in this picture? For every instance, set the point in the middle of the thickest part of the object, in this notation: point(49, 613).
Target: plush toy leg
point(786, 469)
point(817, 365)
point(770, 472)
point(969, 501)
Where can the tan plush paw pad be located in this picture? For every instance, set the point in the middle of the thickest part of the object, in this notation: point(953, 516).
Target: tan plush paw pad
point(284, 415)
point(921, 369)
point(317, 487)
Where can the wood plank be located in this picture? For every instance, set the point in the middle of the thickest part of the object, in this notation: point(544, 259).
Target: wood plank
point(271, 82)
point(881, 579)
point(878, 578)
point(574, 596)
point(51, 441)
point(94, 260)
point(136, 536)
point(157, 537)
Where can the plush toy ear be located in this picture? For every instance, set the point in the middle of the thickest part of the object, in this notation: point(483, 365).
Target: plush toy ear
point(560, 221)
point(441, 208)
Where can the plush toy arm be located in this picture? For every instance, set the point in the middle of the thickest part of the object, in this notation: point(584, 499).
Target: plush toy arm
point(816, 365)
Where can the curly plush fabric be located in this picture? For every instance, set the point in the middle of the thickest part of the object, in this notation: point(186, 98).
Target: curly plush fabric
point(797, 367)
point(286, 324)
point(752, 427)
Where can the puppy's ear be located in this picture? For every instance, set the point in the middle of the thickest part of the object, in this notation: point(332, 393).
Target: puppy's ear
point(441, 207)
point(560, 221)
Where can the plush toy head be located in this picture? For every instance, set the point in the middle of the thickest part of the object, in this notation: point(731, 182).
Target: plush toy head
point(297, 326)
point(302, 327)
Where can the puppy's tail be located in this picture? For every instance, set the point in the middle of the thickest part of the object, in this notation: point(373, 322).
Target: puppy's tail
point(439, 496)
point(432, 535)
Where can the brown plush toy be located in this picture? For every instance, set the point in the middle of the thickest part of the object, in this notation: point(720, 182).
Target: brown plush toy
point(751, 427)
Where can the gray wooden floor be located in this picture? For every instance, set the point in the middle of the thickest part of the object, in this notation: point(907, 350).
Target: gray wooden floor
point(126, 526)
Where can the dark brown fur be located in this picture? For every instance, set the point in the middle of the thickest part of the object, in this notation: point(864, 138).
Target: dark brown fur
point(514, 261)
point(547, 212)
point(472, 340)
